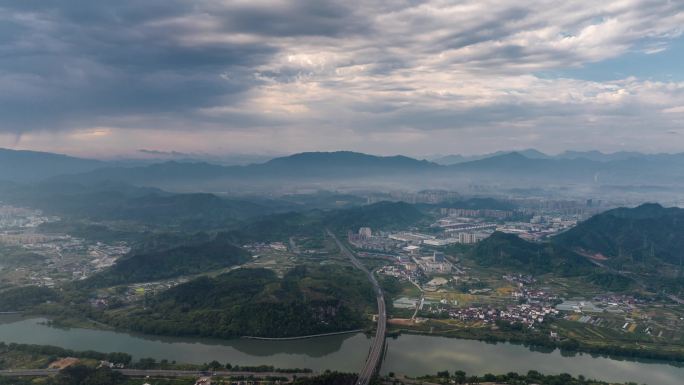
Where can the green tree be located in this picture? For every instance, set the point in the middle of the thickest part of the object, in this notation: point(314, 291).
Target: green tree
point(460, 376)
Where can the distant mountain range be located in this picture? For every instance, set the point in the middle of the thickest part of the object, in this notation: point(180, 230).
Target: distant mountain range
point(309, 166)
point(146, 157)
point(660, 169)
point(448, 160)
point(25, 166)
point(527, 168)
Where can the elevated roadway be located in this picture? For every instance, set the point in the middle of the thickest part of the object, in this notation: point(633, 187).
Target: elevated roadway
point(375, 354)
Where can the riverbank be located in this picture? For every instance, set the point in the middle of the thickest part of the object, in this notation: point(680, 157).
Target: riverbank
point(83, 323)
point(534, 341)
point(541, 341)
point(537, 341)
point(29, 356)
point(413, 355)
point(338, 352)
point(60, 322)
point(410, 354)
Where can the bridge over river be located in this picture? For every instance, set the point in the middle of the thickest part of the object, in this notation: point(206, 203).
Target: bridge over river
point(375, 354)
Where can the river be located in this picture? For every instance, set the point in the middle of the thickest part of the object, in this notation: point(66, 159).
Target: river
point(408, 354)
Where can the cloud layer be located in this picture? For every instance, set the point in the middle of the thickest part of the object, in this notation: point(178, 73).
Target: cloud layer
point(379, 76)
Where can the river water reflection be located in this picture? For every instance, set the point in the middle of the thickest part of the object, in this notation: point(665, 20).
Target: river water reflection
point(425, 354)
point(408, 354)
point(341, 352)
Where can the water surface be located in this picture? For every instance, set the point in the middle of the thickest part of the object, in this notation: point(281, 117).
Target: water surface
point(343, 352)
point(413, 355)
point(416, 354)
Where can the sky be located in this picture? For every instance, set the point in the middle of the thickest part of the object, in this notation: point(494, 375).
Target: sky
point(108, 78)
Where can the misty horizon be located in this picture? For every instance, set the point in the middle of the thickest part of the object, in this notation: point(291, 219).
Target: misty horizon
point(161, 155)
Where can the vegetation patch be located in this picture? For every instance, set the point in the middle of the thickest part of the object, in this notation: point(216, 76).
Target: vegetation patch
point(255, 302)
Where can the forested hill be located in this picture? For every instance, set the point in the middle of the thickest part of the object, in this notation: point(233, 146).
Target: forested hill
point(32, 165)
point(384, 215)
point(643, 235)
point(381, 215)
point(255, 302)
point(158, 264)
point(24, 297)
point(149, 206)
point(511, 252)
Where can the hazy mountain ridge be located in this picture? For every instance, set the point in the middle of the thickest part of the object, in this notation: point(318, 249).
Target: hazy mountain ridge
point(123, 202)
point(24, 166)
point(450, 160)
point(531, 153)
point(383, 215)
point(656, 169)
point(530, 166)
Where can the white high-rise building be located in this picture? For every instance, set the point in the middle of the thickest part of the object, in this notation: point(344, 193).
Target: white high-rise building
point(365, 232)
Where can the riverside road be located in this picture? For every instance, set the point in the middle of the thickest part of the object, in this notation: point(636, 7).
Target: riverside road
point(158, 373)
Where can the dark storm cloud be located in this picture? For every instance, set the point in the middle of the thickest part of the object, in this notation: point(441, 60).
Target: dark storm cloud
point(262, 72)
point(295, 18)
point(482, 30)
point(67, 63)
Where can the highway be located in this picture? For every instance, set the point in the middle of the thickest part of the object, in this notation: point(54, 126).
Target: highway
point(157, 373)
point(375, 354)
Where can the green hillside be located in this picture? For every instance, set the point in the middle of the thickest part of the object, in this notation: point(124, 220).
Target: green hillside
point(511, 252)
point(647, 235)
point(120, 202)
point(381, 215)
point(22, 298)
point(255, 302)
point(173, 262)
point(279, 226)
point(384, 215)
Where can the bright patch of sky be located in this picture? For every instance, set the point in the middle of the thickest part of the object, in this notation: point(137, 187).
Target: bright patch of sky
point(663, 62)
